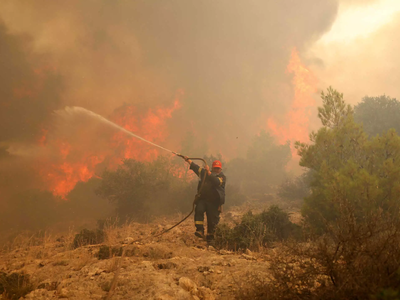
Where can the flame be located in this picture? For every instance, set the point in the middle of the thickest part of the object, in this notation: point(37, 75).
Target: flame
point(296, 122)
point(74, 163)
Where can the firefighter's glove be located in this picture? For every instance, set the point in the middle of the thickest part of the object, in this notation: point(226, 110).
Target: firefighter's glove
point(185, 158)
point(207, 168)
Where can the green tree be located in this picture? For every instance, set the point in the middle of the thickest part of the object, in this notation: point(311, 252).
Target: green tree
point(378, 114)
point(348, 167)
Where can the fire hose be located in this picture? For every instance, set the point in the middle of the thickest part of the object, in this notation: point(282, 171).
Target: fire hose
point(196, 197)
point(81, 110)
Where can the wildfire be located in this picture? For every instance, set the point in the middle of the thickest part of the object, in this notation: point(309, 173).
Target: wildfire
point(74, 163)
point(296, 121)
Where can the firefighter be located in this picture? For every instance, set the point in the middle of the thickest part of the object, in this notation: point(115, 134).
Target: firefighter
point(211, 199)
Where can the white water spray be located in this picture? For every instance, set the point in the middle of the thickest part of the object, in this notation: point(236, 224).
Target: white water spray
point(80, 110)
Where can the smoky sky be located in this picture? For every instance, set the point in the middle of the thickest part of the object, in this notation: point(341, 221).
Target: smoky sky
point(364, 66)
point(228, 57)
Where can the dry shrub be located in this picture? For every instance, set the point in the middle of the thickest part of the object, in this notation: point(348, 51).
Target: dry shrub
point(106, 252)
point(158, 252)
point(84, 259)
point(255, 231)
point(88, 237)
point(15, 285)
point(113, 264)
point(26, 239)
point(357, 258)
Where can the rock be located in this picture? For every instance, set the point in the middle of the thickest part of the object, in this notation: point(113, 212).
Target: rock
point(248, 252)
point(63, 293)
point(167, 265)
point(165, 297)
point(225, 252)
point(205, 293)
point(183, 295)
point(147, 265)
point(248, 257)
point(48, 285)
point(128, 240)
point(211, 248)
point(41, 264)
point(187, 284)
point(203, 269)
point(219, 272)
point(40, 294)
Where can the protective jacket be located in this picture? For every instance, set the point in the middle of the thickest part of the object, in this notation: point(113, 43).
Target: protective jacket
point(214, 185)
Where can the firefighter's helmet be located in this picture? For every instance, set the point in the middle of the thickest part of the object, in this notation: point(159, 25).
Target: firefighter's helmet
point(217, 164)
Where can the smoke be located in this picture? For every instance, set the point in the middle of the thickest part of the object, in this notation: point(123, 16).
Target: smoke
point(223, 61)
point(363, 66)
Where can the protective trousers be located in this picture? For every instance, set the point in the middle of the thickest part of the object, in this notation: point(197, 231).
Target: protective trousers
point(211, 210)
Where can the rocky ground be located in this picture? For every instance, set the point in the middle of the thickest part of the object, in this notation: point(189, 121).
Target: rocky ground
point(176, 265)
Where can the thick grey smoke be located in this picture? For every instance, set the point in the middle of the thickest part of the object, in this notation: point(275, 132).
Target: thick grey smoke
point(229, 58)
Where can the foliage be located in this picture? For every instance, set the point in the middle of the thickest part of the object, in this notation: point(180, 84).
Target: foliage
point(354, 259)
point(15, 285)
point(348, 165)
point(106, 252)
point(296, 188)
point(378, 114)
point(263, 167)
point(257, 230)
point(88, 237)
point(142, 189)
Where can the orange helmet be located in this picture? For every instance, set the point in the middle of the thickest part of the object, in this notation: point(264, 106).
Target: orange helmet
point(217, 164)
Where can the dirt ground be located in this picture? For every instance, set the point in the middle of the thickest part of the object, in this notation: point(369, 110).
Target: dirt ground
point(176, 265)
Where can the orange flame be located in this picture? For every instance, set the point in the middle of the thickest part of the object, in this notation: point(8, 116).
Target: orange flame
point(77, 165)
point(296, 121)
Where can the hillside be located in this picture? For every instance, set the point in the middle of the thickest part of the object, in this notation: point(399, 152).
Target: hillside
point(176, 265)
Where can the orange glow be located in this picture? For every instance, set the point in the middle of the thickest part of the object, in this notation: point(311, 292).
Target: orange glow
point(75, 164)
point(295, 125)
point(42, 140)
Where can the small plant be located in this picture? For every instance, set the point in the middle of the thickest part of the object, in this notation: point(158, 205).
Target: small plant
point(88, 237)
point(106, 286)
point(158, 252)
point(15, 285)
point(257, 230)
point(106, 252)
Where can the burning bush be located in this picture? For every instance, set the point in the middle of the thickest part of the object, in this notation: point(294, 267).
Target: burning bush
point(257, 230)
